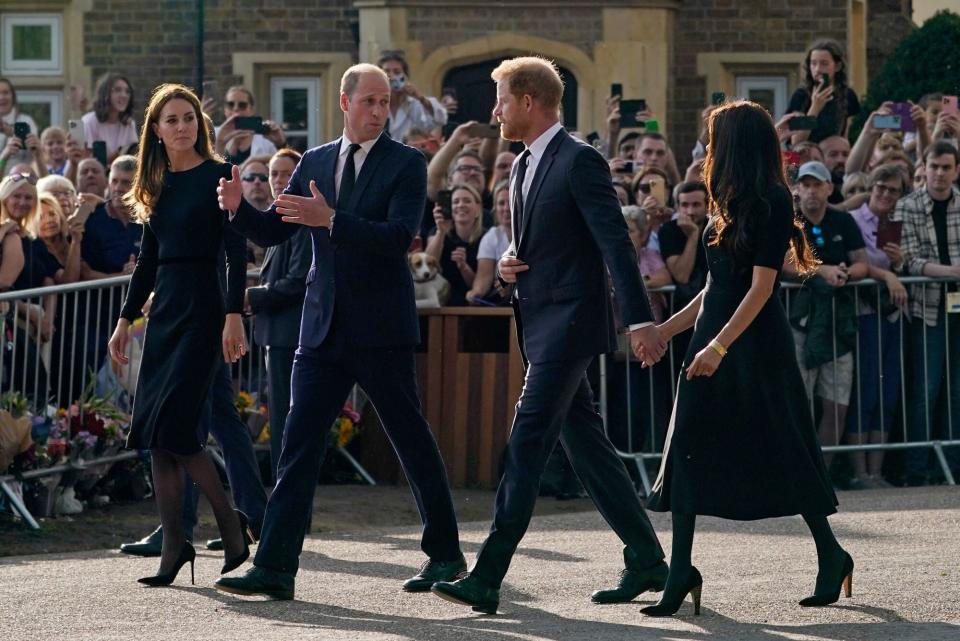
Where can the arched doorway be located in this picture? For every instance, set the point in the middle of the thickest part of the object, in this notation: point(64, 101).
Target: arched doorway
point(477, 94)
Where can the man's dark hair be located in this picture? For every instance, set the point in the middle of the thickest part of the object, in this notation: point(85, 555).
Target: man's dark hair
point(691, 186)
point(633, 135)
point(387, 56)
point(930, 97)
point(939, 148)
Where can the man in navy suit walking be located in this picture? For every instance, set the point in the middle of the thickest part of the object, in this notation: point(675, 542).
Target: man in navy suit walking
point(568, 232)
point(362, 196)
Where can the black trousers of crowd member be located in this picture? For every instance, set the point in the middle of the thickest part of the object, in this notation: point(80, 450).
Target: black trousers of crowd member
point(557, 403)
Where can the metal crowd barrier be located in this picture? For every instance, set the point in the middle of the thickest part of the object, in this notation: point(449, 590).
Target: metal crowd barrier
point(638, 430)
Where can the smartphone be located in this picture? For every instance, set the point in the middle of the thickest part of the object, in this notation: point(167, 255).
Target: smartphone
point(627, 167)
point(449, 91)
point(791, 158)
point(652, 126)
point(889, 233)
point(949, 104)
point(658, 189)
point(887, 121)
point(717, 98)
point(77, 133)
point(21, 130)
point(445, 200)
point(824, 81)
point(630, 111)
point(906, 120)
point(100, 151)
point(210, 90)
point(616, 89)
point(251, 123)
point(802, 123)
point(484, 130)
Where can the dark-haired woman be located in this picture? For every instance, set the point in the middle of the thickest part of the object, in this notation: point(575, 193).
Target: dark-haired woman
point(112, 117)
point(741, 443)
point(824, 94)
point(174, 195)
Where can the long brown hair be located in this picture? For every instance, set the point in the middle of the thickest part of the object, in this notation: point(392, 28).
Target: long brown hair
point(839, 80)
point(152, 158)
point(743, 164)
point(101, 105)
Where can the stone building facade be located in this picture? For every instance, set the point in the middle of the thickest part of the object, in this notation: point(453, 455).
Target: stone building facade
point(673, 53)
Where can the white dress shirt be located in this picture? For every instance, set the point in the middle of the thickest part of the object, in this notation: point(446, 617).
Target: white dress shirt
point(537, 148)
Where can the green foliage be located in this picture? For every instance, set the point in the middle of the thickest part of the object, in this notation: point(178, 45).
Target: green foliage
point(925, 62)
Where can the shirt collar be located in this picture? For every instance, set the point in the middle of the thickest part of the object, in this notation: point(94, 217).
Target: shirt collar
point(365, 146)
point(539, 146)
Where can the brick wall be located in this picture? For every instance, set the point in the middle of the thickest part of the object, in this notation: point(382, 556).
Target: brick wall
point(155, 41)
point(738, 26)
point(577, 26)
point(888, 22)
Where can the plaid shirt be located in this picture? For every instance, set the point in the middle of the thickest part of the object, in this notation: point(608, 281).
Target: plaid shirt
point(919, 247)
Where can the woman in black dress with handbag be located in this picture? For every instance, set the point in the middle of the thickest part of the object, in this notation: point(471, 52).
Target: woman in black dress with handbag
point(741, 443)
point(174, 195)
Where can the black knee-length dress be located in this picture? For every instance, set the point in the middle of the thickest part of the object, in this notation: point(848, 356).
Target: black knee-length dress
point(741, 443)
point(179, 262)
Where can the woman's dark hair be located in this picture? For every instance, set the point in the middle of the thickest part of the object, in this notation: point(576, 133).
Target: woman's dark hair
point(743, 165)
point(397, 56)
point(101, 106)
point(13, 94)
point(839, 81)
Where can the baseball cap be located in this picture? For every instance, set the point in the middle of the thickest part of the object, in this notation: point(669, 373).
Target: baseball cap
point(815, 169)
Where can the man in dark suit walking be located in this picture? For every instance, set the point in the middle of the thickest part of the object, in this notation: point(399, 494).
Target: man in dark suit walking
point(359, 325)
point(567, 233)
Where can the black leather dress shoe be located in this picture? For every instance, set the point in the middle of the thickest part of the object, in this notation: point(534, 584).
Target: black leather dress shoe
point(432, 571)
point(469, 591)
point(277, 585)
point(150, 545)
point(633, 583)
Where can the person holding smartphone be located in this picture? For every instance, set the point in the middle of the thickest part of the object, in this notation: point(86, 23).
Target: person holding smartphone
point(825, 94)
point(457, 241)
point(879, 338)
point(408, 107)
point(10, 113)
point(112, 117)
point(237, 143)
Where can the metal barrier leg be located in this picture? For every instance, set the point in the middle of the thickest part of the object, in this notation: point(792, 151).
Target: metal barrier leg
point(18, 505)
point(644, 478)
point(355, 464)
point(947, 474)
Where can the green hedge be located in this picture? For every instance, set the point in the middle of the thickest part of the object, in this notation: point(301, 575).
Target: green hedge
point(926, 61)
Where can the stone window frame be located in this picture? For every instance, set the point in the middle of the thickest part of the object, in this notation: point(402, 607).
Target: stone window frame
point(54, 66)
point(720, 70)
point(52, 97)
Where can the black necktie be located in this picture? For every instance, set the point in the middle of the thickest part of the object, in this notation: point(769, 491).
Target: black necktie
point(518, 189)
point(349, 177)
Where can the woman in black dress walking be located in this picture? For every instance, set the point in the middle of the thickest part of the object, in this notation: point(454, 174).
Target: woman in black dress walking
point(174, 195)
point(741, 443)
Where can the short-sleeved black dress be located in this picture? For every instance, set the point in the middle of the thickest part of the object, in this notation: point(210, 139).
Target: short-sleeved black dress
point(741, 443)
point(178, 262)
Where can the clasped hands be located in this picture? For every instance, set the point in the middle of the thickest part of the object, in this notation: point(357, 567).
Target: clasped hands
point(312, 211)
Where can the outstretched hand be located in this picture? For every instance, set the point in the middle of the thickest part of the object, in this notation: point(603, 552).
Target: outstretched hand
point(230, 192)
point(311, 211)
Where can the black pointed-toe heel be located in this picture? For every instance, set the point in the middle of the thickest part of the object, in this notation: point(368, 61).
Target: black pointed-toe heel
point(845, 584)
point(669, 605)
point(187, 555)
point(232, 564)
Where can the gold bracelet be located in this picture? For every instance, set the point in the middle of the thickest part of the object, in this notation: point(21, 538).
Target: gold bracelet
point(718, 348)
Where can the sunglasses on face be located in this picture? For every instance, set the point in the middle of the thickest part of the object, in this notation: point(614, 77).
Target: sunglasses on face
point(30, 178)
point(237, 104)
point(468, 169)
point(249, 178)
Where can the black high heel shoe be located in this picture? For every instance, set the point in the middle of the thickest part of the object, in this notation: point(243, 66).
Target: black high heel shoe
point(845, 584)
point(232, 564)
point(187, 555)
point(669, 606)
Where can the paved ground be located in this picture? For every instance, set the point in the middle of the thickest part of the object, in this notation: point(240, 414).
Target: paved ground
point(906, 544)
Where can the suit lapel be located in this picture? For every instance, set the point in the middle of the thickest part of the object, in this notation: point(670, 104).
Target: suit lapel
point(377, 153)
point(328, 173)
point(542, 168)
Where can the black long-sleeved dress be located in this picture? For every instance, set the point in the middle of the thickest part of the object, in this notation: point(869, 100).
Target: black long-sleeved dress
point(178, 262)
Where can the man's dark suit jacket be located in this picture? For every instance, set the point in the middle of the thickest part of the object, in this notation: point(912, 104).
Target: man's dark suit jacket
point(571, 227)
point(277, 302)
point(359, 271)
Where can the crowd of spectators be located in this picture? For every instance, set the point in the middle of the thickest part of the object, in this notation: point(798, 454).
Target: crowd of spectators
point(884, 207)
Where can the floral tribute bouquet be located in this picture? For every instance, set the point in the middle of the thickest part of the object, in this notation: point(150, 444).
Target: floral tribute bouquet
point(346, 427)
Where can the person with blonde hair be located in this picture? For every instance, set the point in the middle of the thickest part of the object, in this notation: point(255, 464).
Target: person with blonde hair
point(174, 197)
point(457, 240)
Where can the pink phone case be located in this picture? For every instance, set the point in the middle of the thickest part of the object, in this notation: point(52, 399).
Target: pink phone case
point(950, 104)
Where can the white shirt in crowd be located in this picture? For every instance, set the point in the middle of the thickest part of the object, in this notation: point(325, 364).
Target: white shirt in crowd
point(494, 244)
point(412, 113)
point(260, 146)
point(116, 134)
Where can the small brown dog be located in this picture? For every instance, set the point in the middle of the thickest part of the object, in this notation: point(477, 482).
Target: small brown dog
point(432, 289)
